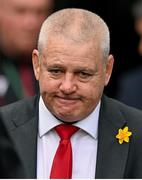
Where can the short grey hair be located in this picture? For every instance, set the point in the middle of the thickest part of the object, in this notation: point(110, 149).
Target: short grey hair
point(79, 25)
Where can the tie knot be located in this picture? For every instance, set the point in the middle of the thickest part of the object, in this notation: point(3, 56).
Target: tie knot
point(66, 131)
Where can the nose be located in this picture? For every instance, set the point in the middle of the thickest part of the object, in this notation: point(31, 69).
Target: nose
point(31, 21)
point(68, 85)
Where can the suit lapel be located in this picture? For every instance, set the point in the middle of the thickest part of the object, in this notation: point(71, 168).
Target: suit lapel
point(111, 156)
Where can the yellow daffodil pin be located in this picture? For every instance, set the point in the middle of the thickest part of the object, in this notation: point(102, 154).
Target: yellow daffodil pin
point(123, 135)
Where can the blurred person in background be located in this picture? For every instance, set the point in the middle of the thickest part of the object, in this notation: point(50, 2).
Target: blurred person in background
point(20, 21)
point(130, 86)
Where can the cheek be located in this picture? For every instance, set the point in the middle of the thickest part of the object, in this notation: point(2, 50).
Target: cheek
point(14, 23)
point(92, 92)
point(47, 85)
point(94, 87)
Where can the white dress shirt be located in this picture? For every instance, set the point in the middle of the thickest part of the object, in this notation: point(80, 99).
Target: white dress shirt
point(84, 144)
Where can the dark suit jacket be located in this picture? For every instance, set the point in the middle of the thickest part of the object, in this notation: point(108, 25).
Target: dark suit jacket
point(114, 160)
point(10, 164)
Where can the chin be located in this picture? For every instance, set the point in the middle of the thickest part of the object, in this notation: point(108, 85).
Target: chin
point(67, 118)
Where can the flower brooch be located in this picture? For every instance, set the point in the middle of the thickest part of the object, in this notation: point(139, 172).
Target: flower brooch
point(123, 135)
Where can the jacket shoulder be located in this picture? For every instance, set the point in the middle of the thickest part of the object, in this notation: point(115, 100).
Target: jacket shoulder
point(131, 115)
point(22, 110)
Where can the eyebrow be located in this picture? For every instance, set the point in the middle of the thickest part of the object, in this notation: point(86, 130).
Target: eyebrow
point(77, 69)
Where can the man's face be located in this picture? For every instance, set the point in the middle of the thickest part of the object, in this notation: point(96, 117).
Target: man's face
point(138, 26)
point(71, 78)
point(20, 21)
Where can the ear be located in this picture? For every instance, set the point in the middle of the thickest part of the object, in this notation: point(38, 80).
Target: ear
point(109, 67)
point(36, 63)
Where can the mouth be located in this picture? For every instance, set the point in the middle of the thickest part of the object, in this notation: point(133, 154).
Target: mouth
point(67, 100)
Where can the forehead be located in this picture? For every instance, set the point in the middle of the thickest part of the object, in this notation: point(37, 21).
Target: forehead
point(59, 45)
point(62, 52)
point(25, 3)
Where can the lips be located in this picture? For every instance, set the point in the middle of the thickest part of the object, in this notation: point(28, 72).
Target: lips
point(67, 101)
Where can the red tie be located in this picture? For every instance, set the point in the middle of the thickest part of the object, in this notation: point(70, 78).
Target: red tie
point(62, 163)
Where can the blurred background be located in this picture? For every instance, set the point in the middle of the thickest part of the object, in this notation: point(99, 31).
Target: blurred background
point(125, 39)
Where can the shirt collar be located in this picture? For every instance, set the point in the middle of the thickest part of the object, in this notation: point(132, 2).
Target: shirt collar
point(48, 121)
point(90, 123)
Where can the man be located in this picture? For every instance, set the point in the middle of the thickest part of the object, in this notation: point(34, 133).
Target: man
point(73, 65)
point(129, 86)
point(20, 23)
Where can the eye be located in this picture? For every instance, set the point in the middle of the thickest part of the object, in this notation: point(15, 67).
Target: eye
point(84, 75)
point(55, 72)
